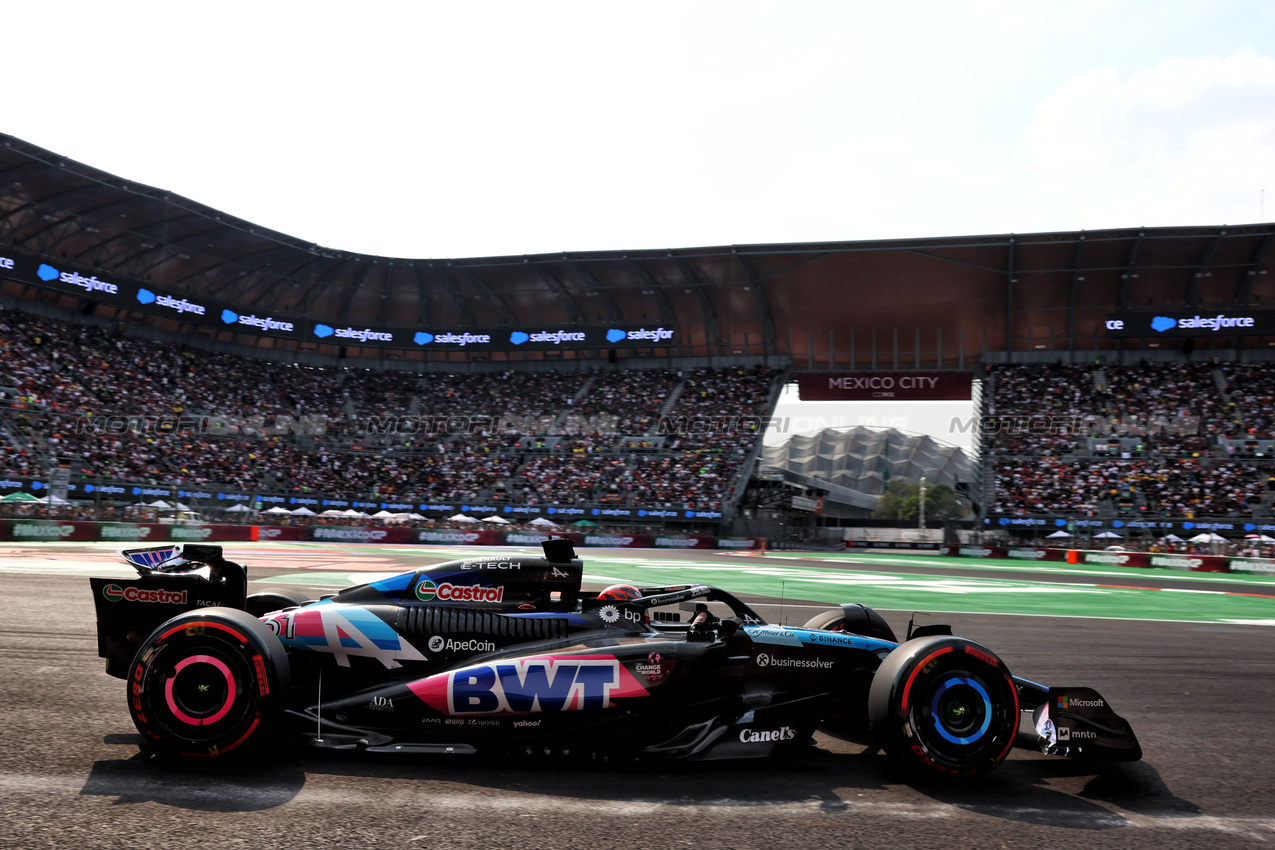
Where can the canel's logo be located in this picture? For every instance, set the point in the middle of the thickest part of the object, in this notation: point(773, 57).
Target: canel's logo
point(1160, 324)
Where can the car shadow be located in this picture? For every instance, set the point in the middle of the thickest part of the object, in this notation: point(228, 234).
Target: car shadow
point(1032, 790)
point(1046, 791)
point(199, 786)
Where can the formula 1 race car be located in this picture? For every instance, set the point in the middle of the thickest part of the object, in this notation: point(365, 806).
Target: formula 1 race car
point(504, 654)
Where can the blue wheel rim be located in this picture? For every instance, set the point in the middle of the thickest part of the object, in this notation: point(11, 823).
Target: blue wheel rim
point(987, 710)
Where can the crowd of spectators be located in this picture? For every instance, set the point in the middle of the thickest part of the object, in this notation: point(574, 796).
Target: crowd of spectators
point(113, 406)
point(1148, 438)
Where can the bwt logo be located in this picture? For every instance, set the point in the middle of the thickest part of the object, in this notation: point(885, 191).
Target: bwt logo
point(230, 317)
point(531, 686)
point(616, 335)
point(90, 284)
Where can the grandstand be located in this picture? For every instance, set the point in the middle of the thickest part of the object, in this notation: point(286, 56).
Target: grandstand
point(150, 345)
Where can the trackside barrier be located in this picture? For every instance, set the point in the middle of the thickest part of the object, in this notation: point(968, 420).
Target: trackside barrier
point(1199, 563)
point(43, 530)
point(1252, 565)
point(32, 530)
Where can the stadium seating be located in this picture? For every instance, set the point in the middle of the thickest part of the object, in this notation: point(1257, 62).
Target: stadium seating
point(1152, 438)
point(124, 408)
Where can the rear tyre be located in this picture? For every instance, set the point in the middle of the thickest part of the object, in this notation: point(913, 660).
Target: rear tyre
point(260, 604)
point(944, 708)
point(208, 683)
point(828, 621)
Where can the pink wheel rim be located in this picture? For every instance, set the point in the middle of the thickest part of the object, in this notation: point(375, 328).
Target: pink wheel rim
point(230, 691)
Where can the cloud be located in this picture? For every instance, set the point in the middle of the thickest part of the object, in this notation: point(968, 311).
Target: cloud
point(1186, 141)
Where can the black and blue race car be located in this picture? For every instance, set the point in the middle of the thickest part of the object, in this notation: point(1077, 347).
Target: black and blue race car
point(505, 655)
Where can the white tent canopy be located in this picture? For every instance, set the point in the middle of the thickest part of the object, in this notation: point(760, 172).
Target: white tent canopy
point(1208, 537)
point(461, 518)
point(53, 500)
point(350, 512)
point(238, 509)
point(383, 514)
point(332, 512)
point(1107, 535)
point(494, 518)
point(277, 510)
point(302, 511)
point(542, 521)
point(159, 503)
point(1059, 533)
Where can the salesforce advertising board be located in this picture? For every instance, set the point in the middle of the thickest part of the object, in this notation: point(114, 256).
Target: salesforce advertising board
point(124, 294)
point(1199, 322)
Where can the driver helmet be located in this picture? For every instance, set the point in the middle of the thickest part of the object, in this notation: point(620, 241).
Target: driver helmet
point(620, 593)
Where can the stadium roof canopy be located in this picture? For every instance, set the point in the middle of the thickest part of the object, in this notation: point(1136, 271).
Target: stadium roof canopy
point(870, 304)
point(856, 463)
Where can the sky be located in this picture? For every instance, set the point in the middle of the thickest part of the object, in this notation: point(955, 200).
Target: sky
point(435, 130)
point(432, 130)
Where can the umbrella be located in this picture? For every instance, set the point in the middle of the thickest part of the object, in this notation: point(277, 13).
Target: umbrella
point(542, 521)
point(302, 511)
point(1106, 534)
point(19, 497)
point(1058, 534)
point(462, 518)
point(159, 503)
point(494, 518)
point(238, 509)
point(584, 522)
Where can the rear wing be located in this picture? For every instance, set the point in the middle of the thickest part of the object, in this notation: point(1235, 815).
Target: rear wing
point(171, 580)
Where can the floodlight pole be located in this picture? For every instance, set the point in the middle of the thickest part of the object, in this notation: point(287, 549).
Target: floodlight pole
point(923, 507)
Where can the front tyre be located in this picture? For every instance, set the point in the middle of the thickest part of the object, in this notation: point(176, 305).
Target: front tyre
point(208, 683)
point(944, 707)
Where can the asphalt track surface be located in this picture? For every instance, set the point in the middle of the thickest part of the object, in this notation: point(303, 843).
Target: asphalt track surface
point(1199, 694)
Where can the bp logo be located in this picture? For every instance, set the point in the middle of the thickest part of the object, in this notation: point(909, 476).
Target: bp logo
point(112, 593)
point(425, 590)
point(609, 613)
